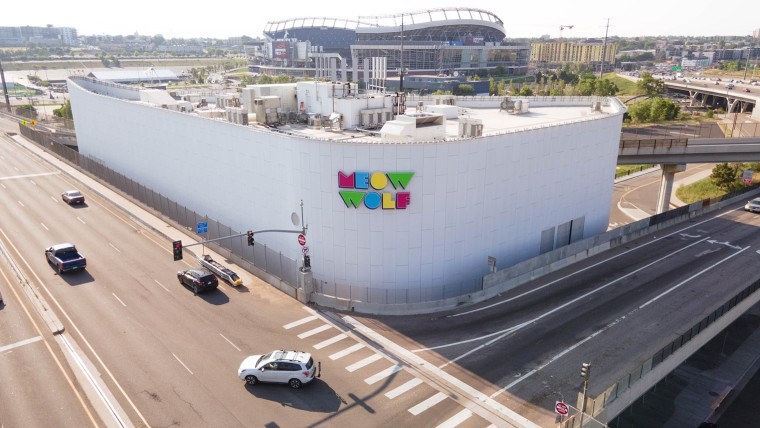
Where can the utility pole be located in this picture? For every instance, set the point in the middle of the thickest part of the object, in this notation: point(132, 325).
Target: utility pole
point(5, 88)
point(604, 48)
point(585, 373)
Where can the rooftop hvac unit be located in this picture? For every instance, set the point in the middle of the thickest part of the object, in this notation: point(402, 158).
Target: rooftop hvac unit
point(596, 106)
point(469, 127)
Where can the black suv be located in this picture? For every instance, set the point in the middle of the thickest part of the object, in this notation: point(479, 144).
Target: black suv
point(197, 280)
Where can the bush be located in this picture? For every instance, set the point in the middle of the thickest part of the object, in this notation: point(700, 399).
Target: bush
point(709, 113)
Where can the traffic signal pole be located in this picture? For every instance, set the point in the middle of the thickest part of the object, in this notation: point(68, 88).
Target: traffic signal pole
point(585, 373)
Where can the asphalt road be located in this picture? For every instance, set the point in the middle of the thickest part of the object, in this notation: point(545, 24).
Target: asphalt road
point(613, 310)
point(165, 357)
point(635, 198)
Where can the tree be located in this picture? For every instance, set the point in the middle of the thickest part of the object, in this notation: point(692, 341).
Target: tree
point(525, 91)
point(464, 89)
point(725, 176)
point(65, 111)
point(605, 87)
point(648, 85)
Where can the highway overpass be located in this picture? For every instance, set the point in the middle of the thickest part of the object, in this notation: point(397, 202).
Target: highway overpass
point(705, 93)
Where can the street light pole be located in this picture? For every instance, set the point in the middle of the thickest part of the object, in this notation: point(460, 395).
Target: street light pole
point(5, 88)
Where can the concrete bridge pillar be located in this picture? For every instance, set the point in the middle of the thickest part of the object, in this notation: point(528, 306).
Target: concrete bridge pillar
point(666, 185)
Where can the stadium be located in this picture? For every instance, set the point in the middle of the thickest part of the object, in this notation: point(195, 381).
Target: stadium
point(433, 41)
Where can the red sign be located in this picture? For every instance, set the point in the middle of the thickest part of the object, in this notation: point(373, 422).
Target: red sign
point(561, 408)
point(301, 239)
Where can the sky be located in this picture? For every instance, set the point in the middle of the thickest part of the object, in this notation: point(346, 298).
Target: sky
point(233, 18)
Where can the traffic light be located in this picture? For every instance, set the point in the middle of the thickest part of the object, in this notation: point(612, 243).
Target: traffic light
point(307, 262)
point(585, 370)
point(177, 246)
point(250, 238)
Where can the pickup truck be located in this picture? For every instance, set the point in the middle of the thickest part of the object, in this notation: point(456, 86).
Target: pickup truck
point(219, 270)
point(65, 257)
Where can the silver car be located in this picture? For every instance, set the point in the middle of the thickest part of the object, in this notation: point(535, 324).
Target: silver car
point(753, 206)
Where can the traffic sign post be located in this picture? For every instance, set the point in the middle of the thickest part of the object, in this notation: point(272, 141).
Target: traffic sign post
point(202, 227)
point(561, 408)
point(301, 239)
point(305, 250)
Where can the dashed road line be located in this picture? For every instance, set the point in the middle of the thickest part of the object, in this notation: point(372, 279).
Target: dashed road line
point(377, 377)
point(314, 331)
point(430, 402)
point(299, 322)
point(330, 341)
point(403, 388)
point(20, 343)
point(349, 350)
point(457, 419)
point(367, 361)
point(183, 364)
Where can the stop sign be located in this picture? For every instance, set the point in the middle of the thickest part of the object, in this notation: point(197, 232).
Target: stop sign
point(561, 408)
point(301, 239)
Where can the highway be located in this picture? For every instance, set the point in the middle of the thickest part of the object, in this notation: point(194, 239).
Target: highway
point(613, 310)
point(160, 356)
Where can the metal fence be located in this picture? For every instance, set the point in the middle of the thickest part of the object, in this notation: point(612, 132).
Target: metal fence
point(595, 405)
point(692, 130)
point(259, 257)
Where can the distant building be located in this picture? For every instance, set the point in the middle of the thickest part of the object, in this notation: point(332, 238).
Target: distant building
point(434, 41)
point(556, 53)
point(756, 34)
point(41, 36)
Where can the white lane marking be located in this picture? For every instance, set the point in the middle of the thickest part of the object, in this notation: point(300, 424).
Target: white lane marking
point(367, 361)
point(430, 402)
point(20, 343)
point(91, 380)
point(21, 203)
point(413, 359)
point(33, 183)
point(456, 419)
point(1, 184)
point(43, 226)
point(228, 340)
point(117, 298)
point(592, 266)
point(758, 251)
point(500, 334)
point(16, 168)
point(82, 221)
point(654, 299)
point(608, 326)
point(299, 322)
point(183, 364)
point(346, 351)
point(383, 374)
point(403, 388)
point(14, 177)
point(114, 247)
point(162, 286)
point(727, 244)
point(330, 341)
point(54, 199)
point(314, 331)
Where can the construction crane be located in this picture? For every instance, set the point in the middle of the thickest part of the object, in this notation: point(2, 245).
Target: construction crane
point(562, 27)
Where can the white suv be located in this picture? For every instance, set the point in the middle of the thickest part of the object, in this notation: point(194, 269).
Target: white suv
point(292, 367)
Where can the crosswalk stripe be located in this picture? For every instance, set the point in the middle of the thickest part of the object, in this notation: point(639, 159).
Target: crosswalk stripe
point(359, 364)
point(383, 374)
point(330, 341)
point(456, 419)
point(403, 388)
point(314, 331)
point(299, 322)
point(430, 402)
point(343, 353)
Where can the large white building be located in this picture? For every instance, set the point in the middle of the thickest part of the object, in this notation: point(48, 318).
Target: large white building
point(400, 209)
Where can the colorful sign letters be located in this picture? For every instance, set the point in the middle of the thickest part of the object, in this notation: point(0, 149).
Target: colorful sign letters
point(370, 189)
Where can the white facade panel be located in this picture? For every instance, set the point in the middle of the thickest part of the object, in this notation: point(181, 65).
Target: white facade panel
point(470, 199)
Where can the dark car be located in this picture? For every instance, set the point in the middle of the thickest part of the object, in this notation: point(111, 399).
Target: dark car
point(197, 280)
